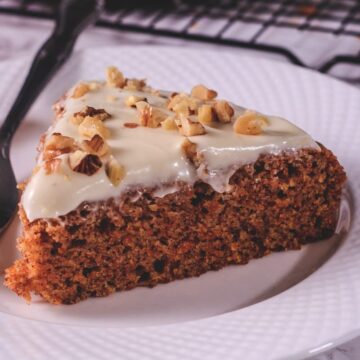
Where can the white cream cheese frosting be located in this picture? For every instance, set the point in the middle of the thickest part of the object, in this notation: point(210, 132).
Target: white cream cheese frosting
point(151, 157)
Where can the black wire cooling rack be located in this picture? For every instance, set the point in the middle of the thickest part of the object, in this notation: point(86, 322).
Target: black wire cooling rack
point(258, 24)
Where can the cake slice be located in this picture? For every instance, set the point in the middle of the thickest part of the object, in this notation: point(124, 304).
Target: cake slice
point(134, 187)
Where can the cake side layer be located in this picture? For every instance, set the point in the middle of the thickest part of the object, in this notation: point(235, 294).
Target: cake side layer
point(277, 203)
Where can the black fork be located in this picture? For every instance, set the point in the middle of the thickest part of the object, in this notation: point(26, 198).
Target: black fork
point(73, 17)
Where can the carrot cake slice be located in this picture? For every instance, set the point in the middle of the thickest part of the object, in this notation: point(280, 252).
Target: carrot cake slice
point(134, 187)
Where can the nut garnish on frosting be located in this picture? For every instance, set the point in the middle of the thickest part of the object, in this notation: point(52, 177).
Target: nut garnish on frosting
point(149, 116)
point(84, 163)
point(206, 114)
point(114, 77)
point(169, 123)
point(96, 145)
point(91, 126)
point(250, 123)
point(100, 114)
point(133, 99)
point(135, 84)
point(80, 90)
point(203, 93)
point(58, 144)
point(183, 104)
point(224, 111)
point(190, 151)
point(188, 127)
point(114, 171)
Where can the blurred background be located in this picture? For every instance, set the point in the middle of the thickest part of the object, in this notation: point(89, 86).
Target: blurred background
point(320, 34)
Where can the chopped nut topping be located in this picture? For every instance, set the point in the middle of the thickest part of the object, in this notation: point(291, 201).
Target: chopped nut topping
point(52, 166)
point(58, 144)
point(131, 125)
point(250, 123)
point(144, 111)
point(84, 163)
point(79, 117)
point(133, 99)
point(182, 108)
point(169, 124)
point(135, 84)
point(91, 126)
point(114, 171)
point(188, 127)
point(203, 93)
point(189, 149)
point(96, 146)
point(183, 104)
point(206, 114)
point(80, 90)
point(224, 111)
point(114, 77)
point(149, 116)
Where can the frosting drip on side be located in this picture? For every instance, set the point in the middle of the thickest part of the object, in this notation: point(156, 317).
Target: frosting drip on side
point(151, 157)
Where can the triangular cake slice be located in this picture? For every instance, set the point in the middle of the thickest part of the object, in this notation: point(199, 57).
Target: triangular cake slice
point(136, 186)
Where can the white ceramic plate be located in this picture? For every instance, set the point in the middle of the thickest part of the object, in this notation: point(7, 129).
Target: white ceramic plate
point(283, 306)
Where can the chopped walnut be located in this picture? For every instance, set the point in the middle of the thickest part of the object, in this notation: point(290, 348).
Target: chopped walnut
point(203, 93)
point(169, 124)
point(182, 108)
point(149, 116)
point(114, 77)
point(58, 144)
point(190, 151)
point(84, 163)
point(131, 100)
point(144, 111)
point(187, 127)
point(224, 111)
point(183, 104)
point(114, 171)
point(131, 125)
point(100, 114)
point(206, 114)
point(91, 126)
point(135, 84)
point(52, 166)
point(250, 123)
point(96, 146)
point(80, 90)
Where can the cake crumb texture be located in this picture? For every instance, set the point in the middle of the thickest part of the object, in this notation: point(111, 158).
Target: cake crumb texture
point(278, 203)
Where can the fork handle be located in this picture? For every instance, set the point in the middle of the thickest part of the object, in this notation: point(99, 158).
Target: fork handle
point(73, 17)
